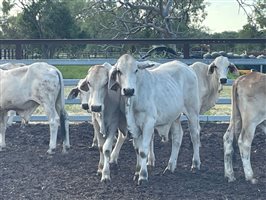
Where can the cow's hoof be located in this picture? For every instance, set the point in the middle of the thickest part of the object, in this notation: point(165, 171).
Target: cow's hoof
point(99, 172)
point(142, 182)
point(51, 151)
point(93, 147)
point(65, 149)
point(136, 176)
point(106, 179)
point(170, 168)
point(231, 179)
point(254, 181)
point(195, 170)
point(166, 171)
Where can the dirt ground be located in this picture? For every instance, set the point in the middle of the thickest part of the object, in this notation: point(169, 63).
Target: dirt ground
point(28, 172)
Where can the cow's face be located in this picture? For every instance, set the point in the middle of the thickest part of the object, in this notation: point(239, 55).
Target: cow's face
point(124, 74)
point(221, 66)
point(83, 91)
point(97, 81)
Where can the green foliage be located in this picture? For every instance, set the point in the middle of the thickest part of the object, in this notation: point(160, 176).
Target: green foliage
point(73, 72)
point(47, 19)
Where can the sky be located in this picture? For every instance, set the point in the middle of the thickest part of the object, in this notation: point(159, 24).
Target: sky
point(223, 15)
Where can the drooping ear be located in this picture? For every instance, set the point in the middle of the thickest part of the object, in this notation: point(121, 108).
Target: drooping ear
point(112, 83)
point(73, 93)
point(211, 68)
point(146, 64)
point(107, 65)
point(84, 85)
point(233, 69)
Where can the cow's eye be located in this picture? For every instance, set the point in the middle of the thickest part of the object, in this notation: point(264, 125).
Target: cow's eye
point(136, 70)
point(119, 72)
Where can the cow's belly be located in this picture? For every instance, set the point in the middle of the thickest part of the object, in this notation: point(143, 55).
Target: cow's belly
point(168, 115)
point(18, 106)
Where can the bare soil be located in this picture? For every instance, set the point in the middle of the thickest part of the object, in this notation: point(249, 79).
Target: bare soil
point(28, 172)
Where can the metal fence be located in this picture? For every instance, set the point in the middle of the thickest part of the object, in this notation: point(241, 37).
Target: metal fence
point(261, 63)
point(88, 48)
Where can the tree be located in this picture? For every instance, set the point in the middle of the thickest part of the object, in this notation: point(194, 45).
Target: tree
point(256, 12)
point(47, 19)
point(164, 19)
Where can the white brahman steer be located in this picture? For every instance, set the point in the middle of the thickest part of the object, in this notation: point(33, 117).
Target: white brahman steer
point(106, 116)
point(24, 89)
point(156, 100)
point(11, 114)
point(248, 111)
point(211, 79)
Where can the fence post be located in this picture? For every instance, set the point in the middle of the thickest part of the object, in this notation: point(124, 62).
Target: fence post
point(186, 50)
point(18, 51)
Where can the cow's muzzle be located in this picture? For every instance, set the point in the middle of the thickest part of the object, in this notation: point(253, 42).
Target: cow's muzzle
point(95, 108)
point(85, 106)
point(223, 80)
point(128, 92)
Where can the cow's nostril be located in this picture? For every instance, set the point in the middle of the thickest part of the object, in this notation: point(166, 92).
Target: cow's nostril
point(96, 108)
point(128, 91)
point(85, 106)
point(223, 80)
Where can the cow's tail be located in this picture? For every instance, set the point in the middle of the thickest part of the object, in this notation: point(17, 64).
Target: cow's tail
point(60, 104)
point(236, 119)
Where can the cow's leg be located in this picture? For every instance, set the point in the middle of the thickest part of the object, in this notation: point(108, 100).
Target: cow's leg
point(120, 141)
point(148, 129)
point(195, 137)
point(136, 144)
point(94, 140)
point(228, 151)
point(3, 121)
point(151, 155)
point(177, 136)
point(66, 141)
point(244, 142)
point(11, 115)
point(100, 141)
point(53, 124)
point(107, 149)
point(131, 122)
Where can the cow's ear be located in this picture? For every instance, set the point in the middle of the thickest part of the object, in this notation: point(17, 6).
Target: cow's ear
point(233, 69)
point(144, 65)
point(84, 85)
point(211, 68)
point(107, 65)
point(73, 93)
point(112, 83)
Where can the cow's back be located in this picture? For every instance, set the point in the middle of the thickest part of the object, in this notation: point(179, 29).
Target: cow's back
point(174, 88)
point(27, 83)
point(251, 92)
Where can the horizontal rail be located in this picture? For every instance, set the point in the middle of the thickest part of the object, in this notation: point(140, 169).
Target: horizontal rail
point(80, 118)
point(97, 61)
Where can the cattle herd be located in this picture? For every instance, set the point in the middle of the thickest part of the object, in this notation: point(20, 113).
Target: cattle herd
point(139, 99)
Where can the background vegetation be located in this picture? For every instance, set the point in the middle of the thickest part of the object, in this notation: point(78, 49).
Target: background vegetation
point(94, 19)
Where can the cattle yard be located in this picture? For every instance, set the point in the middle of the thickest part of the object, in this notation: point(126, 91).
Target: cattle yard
point(28, 172)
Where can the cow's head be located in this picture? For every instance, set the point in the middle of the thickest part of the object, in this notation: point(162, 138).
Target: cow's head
point(124, 74)
point(83, 91)
point(220, 66)
point(97, 82)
